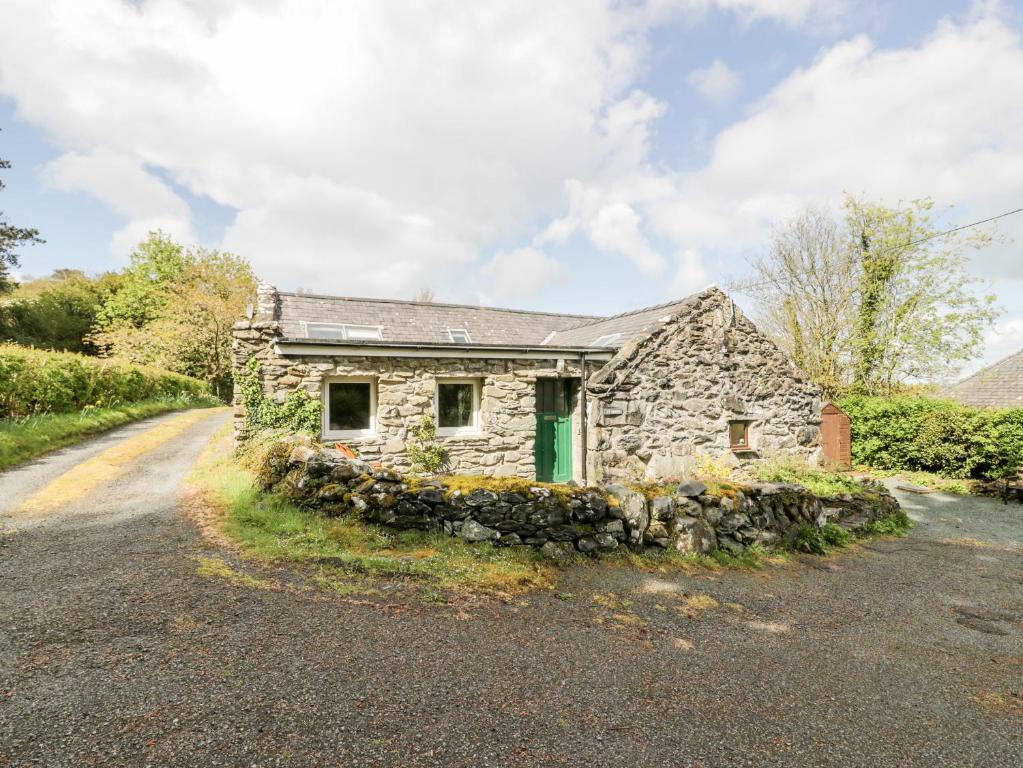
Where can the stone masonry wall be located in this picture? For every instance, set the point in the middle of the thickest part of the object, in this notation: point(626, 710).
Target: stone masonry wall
point(565, 519)
point(405, 389)
point(667, 399)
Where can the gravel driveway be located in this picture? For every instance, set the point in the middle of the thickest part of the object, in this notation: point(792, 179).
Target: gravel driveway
point(115, 651)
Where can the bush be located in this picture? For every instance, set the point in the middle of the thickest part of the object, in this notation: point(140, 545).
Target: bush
point(932, 435)
point(425, 453)
point(34, 381)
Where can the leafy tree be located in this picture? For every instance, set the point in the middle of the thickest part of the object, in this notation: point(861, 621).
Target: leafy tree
point(175, 309)
point(57, 312)
point(11, 237)
point(873, 300)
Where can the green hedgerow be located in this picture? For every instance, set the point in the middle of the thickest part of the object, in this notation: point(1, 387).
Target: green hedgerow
point(35, 381)
point(932, 435)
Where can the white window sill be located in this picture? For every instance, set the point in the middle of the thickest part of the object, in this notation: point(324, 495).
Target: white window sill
point(349, 435)
point(455, 434)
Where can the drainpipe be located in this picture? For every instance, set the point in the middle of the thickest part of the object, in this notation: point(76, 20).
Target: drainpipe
point(582, 410)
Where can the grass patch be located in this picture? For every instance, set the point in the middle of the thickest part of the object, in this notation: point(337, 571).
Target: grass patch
point(216, 568)
point(350, 555)
point(752, 558)
point(817, 481)
point(897, 524)
point(818, 541)
point(28, 438)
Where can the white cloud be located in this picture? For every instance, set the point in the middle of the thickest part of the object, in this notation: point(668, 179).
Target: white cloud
point(519, 275)
point(124, 185)
point(716, 82)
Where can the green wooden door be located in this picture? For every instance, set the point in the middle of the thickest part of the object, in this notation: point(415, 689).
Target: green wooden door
point(553, 430)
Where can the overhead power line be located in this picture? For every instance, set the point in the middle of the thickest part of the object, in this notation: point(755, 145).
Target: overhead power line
point(763, 284)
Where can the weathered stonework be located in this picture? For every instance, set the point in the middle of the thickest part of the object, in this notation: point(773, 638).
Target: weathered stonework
point(661, 403)
point(405, 389)
point(667, 398)
point(584, 519)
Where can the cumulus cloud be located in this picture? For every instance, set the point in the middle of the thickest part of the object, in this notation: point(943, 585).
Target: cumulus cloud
point(716, 82)
point(518, 275)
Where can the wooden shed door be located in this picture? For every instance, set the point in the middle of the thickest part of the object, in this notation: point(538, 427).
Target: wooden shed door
point(836, 436)
point(553, 431)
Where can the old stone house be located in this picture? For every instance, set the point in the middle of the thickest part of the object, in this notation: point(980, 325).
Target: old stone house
point(664, 386)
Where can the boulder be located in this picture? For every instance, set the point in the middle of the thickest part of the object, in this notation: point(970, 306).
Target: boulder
point(662, 508)
point(690, 488)
point(473, 531)
point(693, 535)
point(632, 509)
point(480, 497)
point(557, 551)
point(597, 542)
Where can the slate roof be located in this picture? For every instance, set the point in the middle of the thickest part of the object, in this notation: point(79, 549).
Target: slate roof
point(413, 322)
point(423, 322)
point(998, 386)
point(614, 331)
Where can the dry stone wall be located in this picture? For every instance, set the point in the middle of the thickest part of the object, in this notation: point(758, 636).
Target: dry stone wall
point(666, 400)
point(563, 519)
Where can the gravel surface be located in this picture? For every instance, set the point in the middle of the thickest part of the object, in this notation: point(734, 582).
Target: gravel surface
point(115, 651)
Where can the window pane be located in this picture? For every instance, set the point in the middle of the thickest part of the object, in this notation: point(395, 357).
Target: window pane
point(348, 406)
point(363, 333)
point(737, 433)
point(454, 405)
point(318, 331)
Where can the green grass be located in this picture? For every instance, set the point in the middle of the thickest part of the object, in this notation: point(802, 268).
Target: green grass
point(752, 558)
point(350, 555)
point(25, 439)
point(819, 482)
point(893, 525)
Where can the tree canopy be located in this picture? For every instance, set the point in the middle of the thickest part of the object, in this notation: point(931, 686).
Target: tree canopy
point(11, 238)
point(874, 299)
point(174, 308)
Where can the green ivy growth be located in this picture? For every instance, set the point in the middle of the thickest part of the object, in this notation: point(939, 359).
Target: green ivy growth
point(425, 453)
point(300, 411)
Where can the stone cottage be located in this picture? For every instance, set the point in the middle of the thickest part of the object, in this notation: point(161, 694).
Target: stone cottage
point(552, 397)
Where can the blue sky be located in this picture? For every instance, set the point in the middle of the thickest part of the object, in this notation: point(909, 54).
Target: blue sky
point(586, 157)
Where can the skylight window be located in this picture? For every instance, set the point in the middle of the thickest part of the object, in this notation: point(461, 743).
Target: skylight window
point(343, 332)
point(459, 336)
point(606, 341)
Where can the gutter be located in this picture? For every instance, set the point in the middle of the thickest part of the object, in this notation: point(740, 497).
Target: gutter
point(292, 346)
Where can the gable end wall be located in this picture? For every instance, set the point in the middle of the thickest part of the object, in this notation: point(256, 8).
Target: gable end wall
point(665, 400)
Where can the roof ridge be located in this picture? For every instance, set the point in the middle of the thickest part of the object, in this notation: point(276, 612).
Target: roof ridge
point(631, 312)
point(987, 368)
point(594, 318)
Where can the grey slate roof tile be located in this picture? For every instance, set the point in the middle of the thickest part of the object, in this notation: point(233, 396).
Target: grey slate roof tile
point(998, 386)
point(428, 322)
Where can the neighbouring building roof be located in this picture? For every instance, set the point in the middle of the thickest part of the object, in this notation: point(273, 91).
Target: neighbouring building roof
point(997, 386)
point(414, 322)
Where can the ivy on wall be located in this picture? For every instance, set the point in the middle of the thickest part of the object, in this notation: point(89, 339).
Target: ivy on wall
point(300, 411)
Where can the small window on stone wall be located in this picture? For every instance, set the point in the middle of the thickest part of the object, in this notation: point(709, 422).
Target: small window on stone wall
point(458, 405)
point(738, 435)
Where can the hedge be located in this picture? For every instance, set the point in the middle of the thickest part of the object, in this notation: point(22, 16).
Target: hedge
point(35, 381)
point(934, 435)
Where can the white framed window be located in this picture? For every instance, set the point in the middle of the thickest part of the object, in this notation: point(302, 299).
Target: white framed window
point(459, 336)
point(349, 408)
point(343, 331)
point(457, 406)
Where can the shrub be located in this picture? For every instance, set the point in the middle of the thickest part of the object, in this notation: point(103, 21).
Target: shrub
point(300, 411)
point(35, 381)
point(423, 450)
point(932, 435)
point(817, 481)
